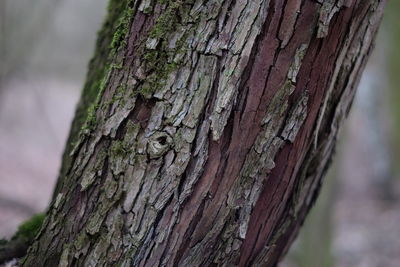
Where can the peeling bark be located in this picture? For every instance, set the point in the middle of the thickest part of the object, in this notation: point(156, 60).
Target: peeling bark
point(213, 125)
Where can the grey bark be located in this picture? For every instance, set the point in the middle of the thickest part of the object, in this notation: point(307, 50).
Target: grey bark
point(209, 134)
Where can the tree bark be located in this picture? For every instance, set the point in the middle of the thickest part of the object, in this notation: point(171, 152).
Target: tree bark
point(209, 126)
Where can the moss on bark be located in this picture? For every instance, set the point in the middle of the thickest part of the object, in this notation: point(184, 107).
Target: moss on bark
point(201, 128)
point(17, 246)
point(108, 42)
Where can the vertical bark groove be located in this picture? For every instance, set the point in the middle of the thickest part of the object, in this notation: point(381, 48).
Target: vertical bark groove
point(213, 126)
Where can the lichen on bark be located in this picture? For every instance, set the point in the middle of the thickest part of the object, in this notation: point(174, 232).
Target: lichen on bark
point(209, 132)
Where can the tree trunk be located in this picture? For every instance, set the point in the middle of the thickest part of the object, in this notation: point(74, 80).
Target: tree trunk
point(209, 126)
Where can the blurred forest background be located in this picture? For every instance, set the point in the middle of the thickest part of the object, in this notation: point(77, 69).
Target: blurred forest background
point(45, 46)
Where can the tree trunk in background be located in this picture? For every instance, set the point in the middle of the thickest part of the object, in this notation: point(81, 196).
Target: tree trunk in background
point(209, 125)
point(393, 66)
point(22, 25)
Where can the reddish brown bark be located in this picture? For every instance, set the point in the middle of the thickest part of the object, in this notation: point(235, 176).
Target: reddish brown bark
point(221, 163)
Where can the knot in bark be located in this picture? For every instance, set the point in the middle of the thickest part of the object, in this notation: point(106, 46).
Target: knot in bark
point(159, 144)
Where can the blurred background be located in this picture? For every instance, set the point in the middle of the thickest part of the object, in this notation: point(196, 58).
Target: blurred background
point(45, 46)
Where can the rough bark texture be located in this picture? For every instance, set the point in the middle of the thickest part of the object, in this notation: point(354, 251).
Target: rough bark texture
point(207, 138)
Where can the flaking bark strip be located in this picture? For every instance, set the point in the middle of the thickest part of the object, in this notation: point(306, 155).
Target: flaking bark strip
point(174, 170)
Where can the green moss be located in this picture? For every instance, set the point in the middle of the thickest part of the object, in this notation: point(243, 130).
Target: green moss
point(118, 149)
point(148, 10)
point(111, 39)
point(156, 79)
point(29, 229)
point(81, 241)
point(119, 39)
point(162, 61)
point(167, 21)
point(98, 70)
point(118, 42)
point(117, 66)
point(90, 122)
point(99, 66)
